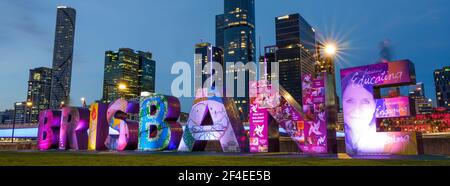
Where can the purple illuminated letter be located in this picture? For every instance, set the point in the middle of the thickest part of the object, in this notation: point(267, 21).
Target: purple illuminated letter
point(125, 136)
point(48, 131)
point(74, 126)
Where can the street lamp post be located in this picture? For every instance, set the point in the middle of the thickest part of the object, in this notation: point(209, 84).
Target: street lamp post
point(331, 102)
point(29, 105)
point(330, 50)
point(83, 102)
point(330, 53)
point(14, 123)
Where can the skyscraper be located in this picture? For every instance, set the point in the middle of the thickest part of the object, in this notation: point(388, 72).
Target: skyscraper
point(21, 113)
point(62, 56)
point(238, 43)
point(146, 73)
point(208, 54)
point(266, 61)
point(127, 74)
point(422, 104)
point(39, 86)
point(220, 27)
point(296, 45)
point(442, 83)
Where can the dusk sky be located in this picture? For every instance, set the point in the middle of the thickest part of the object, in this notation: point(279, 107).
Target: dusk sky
point(418, 30)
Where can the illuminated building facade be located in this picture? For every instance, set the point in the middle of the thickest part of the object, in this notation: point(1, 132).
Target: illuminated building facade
point(208, 54)
point(435, 122)
point(128, 73)
point(220, 27)
point(442, 83)
point(296, 43)
point(422, 104)
point(62, 56)
point(266, 61)
point(39, 87)
point(21, 113)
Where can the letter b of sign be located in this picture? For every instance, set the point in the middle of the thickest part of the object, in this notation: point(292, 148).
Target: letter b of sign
point(158, 126)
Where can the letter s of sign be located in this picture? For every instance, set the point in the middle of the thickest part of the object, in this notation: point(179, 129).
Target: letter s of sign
point(124, 133)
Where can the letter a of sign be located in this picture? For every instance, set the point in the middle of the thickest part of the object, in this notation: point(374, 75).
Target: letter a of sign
point(214, 119)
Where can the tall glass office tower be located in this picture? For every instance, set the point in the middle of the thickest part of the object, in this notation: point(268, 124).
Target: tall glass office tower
point(39, 86)
point(296, 43)
point(135, 70)
point(62, 56)
point(442, 85)
point(237, 25)
point(208, 54)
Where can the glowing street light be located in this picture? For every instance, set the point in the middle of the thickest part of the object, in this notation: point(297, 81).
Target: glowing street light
point(122, 86)
point(83, 101)
point(29, 104)
point(330, 49)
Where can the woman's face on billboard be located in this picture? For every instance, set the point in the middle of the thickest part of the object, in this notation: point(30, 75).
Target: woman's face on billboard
point(359, 107)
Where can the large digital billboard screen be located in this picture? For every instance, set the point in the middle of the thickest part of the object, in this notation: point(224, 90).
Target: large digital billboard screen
point(361, 109)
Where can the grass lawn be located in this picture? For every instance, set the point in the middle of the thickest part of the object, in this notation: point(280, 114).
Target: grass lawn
point(70, 158)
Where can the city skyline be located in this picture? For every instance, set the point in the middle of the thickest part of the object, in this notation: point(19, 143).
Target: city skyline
point(88, 61)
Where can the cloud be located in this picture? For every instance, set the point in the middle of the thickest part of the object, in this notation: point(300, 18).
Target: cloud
point(20, 16)
point(28, 25)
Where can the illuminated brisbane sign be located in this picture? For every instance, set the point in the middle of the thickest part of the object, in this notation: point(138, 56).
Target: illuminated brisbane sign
point(153, 125)
point(109, 127)
point(363, 107)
